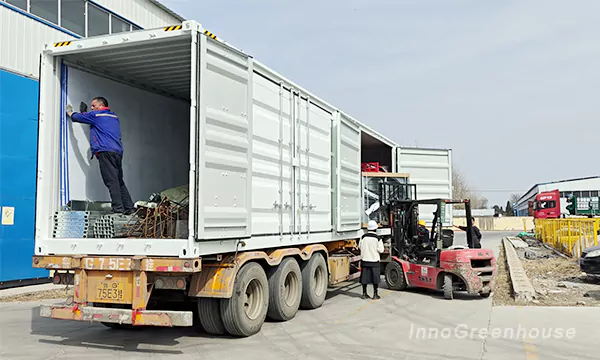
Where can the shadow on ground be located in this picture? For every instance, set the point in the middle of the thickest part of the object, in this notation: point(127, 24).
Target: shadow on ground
point(98, 336)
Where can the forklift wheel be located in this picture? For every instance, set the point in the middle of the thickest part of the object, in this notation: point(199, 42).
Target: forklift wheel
point(448, 288)
point(394, 276)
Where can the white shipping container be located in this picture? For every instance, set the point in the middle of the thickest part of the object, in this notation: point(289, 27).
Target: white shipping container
point(263, 163)
point(431, 171)
point(270, 164)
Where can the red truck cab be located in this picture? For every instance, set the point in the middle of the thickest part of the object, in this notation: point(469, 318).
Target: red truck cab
point(547, 205)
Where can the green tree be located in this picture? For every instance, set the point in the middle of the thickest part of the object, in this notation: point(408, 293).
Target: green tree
point(509, 209)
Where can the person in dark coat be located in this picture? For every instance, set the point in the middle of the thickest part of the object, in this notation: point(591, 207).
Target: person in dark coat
point(423, 235)
point(370, 246)
point(106, 146)
point(475, 234)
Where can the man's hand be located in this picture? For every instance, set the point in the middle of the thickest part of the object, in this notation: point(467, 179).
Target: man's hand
point(69, 110)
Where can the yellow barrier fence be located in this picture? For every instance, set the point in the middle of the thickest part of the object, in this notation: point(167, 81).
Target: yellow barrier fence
point(569, 236)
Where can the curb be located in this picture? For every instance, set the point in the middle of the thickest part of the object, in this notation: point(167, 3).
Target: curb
point(522, 288)
point(4, 293)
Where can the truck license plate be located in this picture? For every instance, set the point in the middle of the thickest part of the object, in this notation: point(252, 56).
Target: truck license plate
point(109, 290)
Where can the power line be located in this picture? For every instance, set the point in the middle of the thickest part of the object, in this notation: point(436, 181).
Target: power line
point(497, 190)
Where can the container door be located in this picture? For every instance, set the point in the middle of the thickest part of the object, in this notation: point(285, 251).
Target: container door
point(301, 163)
point(347, 175)
point(224, 157)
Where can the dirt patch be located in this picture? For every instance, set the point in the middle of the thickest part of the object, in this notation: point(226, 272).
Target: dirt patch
point(502, 290)
point(556, 280)
point(41, 295)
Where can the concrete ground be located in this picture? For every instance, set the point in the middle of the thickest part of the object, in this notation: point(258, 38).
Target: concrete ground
point(414, 324)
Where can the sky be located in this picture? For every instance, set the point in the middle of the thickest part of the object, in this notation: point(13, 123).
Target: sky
point(511, 87)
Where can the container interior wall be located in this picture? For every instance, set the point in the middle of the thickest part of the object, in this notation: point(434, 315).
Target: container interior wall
point(373, 150)
point(155, 137)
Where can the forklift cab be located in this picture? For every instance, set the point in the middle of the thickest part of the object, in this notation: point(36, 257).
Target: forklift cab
point(406, 243)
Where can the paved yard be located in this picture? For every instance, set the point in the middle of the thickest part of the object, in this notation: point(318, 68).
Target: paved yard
point(414, 324)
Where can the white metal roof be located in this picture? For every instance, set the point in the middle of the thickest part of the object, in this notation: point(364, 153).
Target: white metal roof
point(167, 10)
point(583, 183)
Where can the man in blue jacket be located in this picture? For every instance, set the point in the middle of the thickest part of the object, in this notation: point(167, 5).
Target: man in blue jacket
point(106, 146)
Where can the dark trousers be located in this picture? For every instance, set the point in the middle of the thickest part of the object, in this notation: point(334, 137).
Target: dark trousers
point(111, 169)
point(370, 273)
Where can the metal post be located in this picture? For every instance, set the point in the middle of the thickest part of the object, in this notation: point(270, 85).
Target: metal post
point(299, 160)
point(469, 224)
point(280, 161)
point(292, 169)
point(310, 207)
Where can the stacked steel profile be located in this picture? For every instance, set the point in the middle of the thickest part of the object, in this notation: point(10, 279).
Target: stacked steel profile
point(89, 224)
point(75, 224)
point(112, 226)
point(162, 220)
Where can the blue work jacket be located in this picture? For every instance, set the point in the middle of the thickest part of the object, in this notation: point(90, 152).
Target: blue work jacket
point(105, 130)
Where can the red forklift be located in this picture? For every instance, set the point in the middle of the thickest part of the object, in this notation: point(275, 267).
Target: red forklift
point(429, 259)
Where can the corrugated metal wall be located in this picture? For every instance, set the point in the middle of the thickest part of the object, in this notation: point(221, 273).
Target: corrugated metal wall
point(22, 40)
point(431, 171)
point(142, 12)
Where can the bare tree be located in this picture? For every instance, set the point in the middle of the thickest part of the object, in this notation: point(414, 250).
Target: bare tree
point(479, 202)
point(513, 198)
point(462, 190)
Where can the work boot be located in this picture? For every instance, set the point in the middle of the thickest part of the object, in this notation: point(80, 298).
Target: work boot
point(376, 296)
point(365, 296)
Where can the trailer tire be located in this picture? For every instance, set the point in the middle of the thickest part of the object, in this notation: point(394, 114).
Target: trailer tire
point(245, 312)
point(315, 280)
point(394, 276)
point(448, 287)
point(209, 313)
point(285, 290)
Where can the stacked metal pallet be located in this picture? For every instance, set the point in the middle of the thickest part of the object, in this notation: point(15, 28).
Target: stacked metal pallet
point(112, 226)
point(74, 224)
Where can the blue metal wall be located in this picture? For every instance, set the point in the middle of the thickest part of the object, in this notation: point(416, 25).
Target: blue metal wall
point(18, 154)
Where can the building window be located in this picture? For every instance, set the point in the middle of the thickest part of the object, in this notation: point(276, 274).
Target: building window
point(46, 9)
point(97, 21)
point(75, 15)
point(117, 25)
point(72, 16)
point(21, 4)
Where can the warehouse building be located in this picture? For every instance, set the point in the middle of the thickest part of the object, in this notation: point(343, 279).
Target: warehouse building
point(25, 26)
point(585, 189)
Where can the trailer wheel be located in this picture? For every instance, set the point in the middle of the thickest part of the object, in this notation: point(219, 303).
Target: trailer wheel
point(245, 312)
point(285, 290)
point(394, 276)
point(448, 287)
point(314, 282)
point(209, 313)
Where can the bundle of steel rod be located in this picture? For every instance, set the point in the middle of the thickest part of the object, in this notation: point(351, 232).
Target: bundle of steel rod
point(157, 222)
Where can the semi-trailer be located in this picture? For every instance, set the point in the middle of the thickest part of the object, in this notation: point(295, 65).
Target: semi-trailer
point(272, 175)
